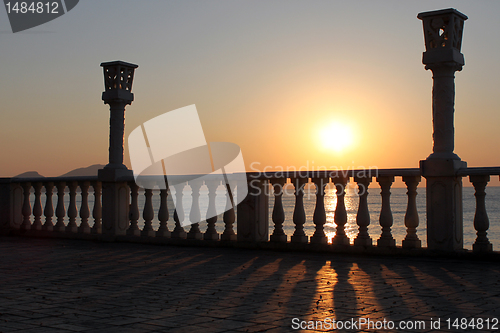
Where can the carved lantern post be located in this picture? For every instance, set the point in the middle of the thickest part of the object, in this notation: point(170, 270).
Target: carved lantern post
point(118, 77)
point(443, 39)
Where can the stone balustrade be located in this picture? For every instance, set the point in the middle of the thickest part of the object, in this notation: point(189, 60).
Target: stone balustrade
point(71, 207)
point(27, 206)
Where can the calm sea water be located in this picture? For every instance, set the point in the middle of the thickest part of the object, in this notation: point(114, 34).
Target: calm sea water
point(398, 205)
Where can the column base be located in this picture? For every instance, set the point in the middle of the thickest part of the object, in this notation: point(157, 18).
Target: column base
point(319, 240)
point(299, 239)
point(443, 156)
point(178, 234)
point(197, 235)
point(341, 241)
point(386, 242)
point(84, 230)
point(214, 236)
point(365, 241)
point(133, 232)
point(163, 233)
point(71, 229)
point(279, 238)
point(36, 226)
point(482, 247)
point(412, 243)
point(48, 228)
point(60, 228)
point(25, 226)
point(148, 233)
point(230, 238)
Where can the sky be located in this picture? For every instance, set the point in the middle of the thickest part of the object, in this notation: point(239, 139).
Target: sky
point(275, 77)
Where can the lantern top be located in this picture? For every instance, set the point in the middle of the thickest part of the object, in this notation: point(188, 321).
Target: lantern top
point(442, 12)
point(443, 30)
point(118, 63)
point(118, 78)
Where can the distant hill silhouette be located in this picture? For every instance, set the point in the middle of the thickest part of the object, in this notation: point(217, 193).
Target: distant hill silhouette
point(29, 174)
point(88, 171)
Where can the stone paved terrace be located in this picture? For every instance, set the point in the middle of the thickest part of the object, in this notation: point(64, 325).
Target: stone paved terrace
point(57, 285)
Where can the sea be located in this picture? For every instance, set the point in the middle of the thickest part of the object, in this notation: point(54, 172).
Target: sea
point(398, 206)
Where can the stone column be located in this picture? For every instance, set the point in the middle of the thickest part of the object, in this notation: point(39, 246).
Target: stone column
point(116, 133)
point(444, 188)
point(443, 38)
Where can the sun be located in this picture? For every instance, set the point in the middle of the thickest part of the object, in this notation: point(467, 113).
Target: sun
point(336, 137)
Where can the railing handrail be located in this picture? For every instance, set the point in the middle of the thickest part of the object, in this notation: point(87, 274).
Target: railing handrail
point(495, 171)
point(397, 172)
point(48, 179)
point(373, 172)
point(369, 172)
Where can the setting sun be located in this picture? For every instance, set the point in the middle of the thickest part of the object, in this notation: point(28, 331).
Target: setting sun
point(336, 137)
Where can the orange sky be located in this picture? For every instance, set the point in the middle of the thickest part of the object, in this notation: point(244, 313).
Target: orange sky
point(268, 76)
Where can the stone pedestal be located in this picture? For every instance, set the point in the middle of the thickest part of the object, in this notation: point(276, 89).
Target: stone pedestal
point(115, 202)
point(444, 204)
point(253, 213)
point(5, 206)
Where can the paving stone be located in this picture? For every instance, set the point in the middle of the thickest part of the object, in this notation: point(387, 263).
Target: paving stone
point(62, 285)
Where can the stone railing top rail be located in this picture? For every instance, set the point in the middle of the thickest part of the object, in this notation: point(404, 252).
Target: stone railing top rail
point(48, 179)
point(492, 171)
point(362, 173)
point(250, 175)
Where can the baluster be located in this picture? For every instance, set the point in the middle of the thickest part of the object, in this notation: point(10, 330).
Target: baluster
point(481, 221)
point(37, 207)
point(278, 212)
point(148, 214)
point(299, 214)
point(84, 208)
point(194, 214)
point(178, 231)
point(411, 217)
point(97, 211)
point(229, 218)
point(72, 210)
point(26, 225)
point(133, 229)
point(340, 217)
point(163, 215)
point(60, 210)
point(319, 217)
point(49, 207)
point(363, 215)
point(386, 220)
point(211, 232)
